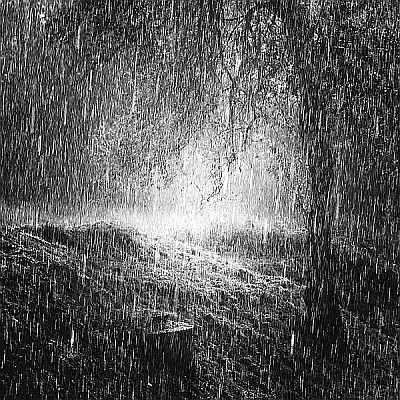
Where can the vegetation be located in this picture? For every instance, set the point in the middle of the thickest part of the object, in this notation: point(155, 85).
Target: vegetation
point(77, 302)
point(103, 98)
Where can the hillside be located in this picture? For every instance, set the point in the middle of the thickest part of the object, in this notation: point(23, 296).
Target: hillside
point(104, 312)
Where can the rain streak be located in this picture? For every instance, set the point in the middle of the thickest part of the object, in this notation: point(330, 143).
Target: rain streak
point(200, 199)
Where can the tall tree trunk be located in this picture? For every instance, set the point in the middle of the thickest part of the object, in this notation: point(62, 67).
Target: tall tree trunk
point(311, 47)
point(324, 323)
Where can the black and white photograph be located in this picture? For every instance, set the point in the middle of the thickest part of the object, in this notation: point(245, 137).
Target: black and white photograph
point(199, 199)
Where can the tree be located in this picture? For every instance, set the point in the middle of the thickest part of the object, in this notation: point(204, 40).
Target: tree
point(345, 91)
point(310, 40)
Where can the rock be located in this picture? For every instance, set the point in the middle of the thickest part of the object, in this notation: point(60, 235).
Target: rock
point(171, 349)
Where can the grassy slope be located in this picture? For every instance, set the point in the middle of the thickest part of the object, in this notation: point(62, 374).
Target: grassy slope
point(70, 297)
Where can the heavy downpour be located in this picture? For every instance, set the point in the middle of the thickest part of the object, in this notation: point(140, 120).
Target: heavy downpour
point(200, 199)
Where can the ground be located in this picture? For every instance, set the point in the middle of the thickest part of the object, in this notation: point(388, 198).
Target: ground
point(104, 312)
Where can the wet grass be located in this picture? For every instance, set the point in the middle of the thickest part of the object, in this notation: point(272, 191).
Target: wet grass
point(76, 304)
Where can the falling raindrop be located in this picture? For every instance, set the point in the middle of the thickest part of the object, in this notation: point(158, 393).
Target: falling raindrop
point(199, 199)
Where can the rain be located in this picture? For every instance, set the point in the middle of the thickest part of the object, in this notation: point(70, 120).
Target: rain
point(199, 199)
